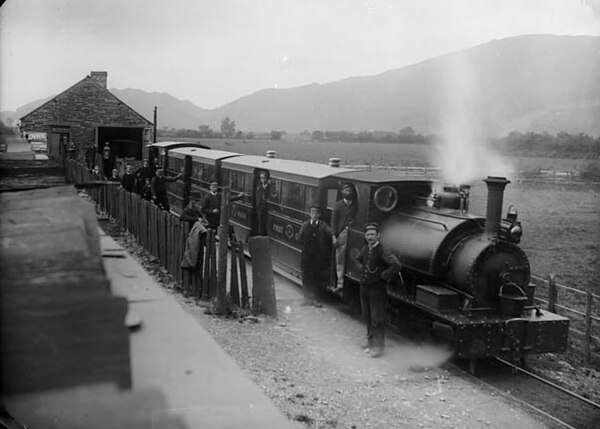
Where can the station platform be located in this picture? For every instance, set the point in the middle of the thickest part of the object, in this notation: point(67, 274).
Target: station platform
point(181, 378)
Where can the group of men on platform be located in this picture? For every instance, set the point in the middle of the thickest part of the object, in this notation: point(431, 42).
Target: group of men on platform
point(377, 265)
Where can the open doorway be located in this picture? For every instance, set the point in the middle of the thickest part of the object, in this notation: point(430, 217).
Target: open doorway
point(124, 142)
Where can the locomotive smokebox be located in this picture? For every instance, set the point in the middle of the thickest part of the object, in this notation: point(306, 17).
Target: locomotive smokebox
point(495, 187)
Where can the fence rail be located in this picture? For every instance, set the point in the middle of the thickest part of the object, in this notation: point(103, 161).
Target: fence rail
point(164, 236)
point(585, 317)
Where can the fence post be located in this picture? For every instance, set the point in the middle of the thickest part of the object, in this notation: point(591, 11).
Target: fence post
point(552, 293)
point(234, 290)
point(243, 274)
point(222, 270)
point(588, 326)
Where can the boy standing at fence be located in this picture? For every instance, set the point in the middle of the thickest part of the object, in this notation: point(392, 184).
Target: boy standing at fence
point(211, 205)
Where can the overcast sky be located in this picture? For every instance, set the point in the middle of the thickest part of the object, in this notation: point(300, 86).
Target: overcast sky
point(213, 51)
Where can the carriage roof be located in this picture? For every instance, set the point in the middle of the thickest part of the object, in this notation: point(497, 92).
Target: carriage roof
point(201, 154)
point(176, 144)
point(377, 177)
point(282, 167)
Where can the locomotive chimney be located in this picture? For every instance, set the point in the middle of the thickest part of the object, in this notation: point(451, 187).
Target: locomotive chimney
point(496, 187)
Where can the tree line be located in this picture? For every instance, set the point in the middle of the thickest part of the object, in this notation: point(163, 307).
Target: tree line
point(226, 130)
point(561, 145)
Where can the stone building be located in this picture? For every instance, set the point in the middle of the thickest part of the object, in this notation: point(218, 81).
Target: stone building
point(79, 122)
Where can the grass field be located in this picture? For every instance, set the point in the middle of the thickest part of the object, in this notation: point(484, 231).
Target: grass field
point(561, 221)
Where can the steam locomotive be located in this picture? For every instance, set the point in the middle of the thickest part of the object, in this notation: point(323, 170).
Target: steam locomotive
point(464, 277)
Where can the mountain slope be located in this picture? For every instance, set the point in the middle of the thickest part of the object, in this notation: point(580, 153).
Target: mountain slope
point(526, 83)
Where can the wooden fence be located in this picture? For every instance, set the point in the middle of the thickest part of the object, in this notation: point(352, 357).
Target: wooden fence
point(583, 310)
point(164, 236)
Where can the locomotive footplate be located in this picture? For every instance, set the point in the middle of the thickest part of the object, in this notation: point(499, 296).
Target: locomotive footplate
point(485, 334)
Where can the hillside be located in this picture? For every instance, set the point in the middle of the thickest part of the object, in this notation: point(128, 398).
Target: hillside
point(526, 83)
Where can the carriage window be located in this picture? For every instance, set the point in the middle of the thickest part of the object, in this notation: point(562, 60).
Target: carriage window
point(237, 182)
point(293, 195)
point(208, 173)
point(312, 198)
point(386, 198)
point(275, 196)
point(175, 165)
point(197, 171)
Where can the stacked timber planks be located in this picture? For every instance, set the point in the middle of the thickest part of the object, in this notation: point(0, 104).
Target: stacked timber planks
point(60, 325)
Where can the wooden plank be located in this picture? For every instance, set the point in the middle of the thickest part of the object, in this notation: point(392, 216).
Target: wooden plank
point(234, 291)
point(243, 274)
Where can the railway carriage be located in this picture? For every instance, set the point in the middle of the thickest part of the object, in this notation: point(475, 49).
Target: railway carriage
point(158, 153)
point(199, 167)
point(295, 186)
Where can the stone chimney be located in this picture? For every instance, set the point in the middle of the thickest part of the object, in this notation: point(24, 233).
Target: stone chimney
point(101, 77)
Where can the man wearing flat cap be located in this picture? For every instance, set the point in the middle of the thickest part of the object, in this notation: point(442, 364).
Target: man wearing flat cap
point(158, 186)
point(211, 205)
point(378, 266)
point(342, 217)
point(315, 237)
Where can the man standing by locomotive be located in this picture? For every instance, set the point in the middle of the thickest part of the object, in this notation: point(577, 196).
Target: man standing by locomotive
point(377, 266)
point(315, 236)
point(343, 216)
point(159, 189)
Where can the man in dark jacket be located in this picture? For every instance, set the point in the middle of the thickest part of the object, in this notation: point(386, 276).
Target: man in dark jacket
point(192, 213)
point(115, 176)
point(141, 174)
point(315, 236)
point(262, 196)
point(128, 179)
point(378, 266)
point(342, 217)
point(211, 205)
point(159, 189)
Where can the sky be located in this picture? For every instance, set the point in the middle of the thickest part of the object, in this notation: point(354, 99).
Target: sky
point(211, 52)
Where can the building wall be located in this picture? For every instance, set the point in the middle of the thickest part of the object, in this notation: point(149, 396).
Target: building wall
point(83, 107)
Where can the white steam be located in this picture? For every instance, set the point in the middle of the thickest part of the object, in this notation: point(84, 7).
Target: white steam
point(463, 153)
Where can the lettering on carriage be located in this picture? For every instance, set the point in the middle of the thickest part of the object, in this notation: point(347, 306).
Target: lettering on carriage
point(285, 230)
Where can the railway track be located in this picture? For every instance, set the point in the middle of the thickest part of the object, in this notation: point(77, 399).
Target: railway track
point(560, 407)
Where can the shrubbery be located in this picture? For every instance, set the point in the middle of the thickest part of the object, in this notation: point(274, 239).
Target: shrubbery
point(561, 145)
